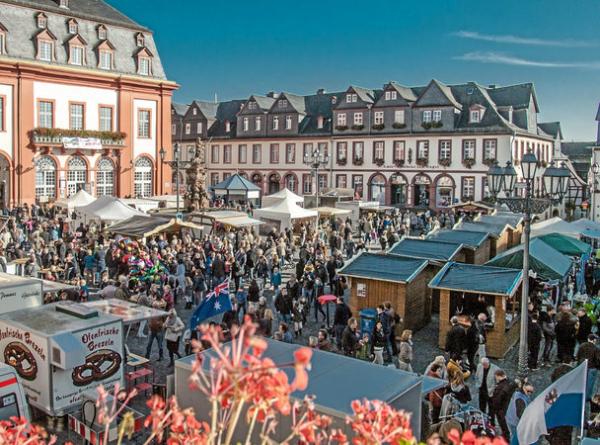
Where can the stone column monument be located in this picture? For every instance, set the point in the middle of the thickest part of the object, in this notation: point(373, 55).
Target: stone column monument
point(196, 197)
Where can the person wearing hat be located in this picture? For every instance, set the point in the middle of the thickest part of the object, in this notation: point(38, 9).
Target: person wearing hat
point(589, 351)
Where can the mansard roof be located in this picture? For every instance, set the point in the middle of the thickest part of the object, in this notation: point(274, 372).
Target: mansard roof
point(517, 96)
point(552, 129)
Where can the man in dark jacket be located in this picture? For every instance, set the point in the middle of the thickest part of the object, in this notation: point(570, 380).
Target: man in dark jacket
point(455, 339)
point(500, 400)
point(565, 336)
point(548, 324)
point(340, 320)
point(534, 341)
point(585, 326)
point(350, 342)
point(331, 270)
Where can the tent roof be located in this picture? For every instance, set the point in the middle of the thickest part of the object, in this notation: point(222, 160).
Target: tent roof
point(471, 239)
point(285, 208)
point(285, 194)
point(554, 225)
point(585, 224)
point(494, 229)
point(239, 221)
point(566, 245)
point(428, 249)
point(477, 279)
point(137, 226)
point(235, 182)
point(327, 211)
point(79, 199)
point(546, 261)
point(499, 218)
point(336, 380)
point(377, 266)
point(109, 208)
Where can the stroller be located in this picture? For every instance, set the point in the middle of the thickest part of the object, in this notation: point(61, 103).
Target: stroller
point(469, 417)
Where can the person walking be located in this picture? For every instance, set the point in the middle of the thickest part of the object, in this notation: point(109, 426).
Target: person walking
point(534, 340)
point(340, 320)
point(156, 327)
point(548, 321)
point(350, 341)
point(436, 397)
point(405, 356)
point(500, 399)
point(566, 331)
point(486, 383)
point(378, 342)
point(174, 327)
point(455, 339)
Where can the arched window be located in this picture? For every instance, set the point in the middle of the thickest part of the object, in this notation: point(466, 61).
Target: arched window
point(142, 177)
point(76, 175)
point(444, 191)
point(377, 188)
point(291, 183)
point(45, 178)
point(105, 178)
point(398, 189)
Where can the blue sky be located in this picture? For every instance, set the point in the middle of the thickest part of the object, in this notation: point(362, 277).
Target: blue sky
point(235, 48)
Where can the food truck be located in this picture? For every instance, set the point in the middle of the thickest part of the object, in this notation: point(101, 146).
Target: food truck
point(12, 396)
point(19, 293)
point(60, 351)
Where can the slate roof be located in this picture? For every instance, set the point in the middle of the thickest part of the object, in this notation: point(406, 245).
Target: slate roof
point(470, 239)
point(297, 102)
point(477, 279)
point(365, 94)
point(377, 266)
point(426, 249)
point(517, 96)
point(180, 109)
point(19, 18)
point(264, 103)
point(406, 92)
point(551, 128)
point(576, 149)
point(208, 109)
point(97, 10)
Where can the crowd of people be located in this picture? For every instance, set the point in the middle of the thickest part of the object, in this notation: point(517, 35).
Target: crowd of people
point(278, 280)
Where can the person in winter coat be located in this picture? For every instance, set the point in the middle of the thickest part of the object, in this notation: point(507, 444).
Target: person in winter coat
point(518, 402)
point(585, 326)
point(455, 339)
point(589, 351)
point(350, 341)
point(340, 320)
point(486, 383)
point(283, 305)
point(566, 332)
point(323, 342)
point(405, 356)
point(435, 397)
point(534, 340)
point(378, 342)
point(253, 293)
point(548, 322)
point(500, 400)
point(472, 344)
point(174, 327)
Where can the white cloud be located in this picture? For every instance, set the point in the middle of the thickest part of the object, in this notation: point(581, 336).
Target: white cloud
point(506, 59)
point(507, 38)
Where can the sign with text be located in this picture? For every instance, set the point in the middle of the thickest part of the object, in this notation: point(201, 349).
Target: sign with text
point(82, 143)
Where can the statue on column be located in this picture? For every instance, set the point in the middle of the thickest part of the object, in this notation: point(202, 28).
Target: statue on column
point(196, 197)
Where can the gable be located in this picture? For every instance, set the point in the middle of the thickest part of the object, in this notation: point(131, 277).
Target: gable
point(77, 40)
point(437, 94)
point(399, 101)
point(45, 34)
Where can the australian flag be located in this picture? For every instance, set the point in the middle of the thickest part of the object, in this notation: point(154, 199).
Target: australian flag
point(215, 303)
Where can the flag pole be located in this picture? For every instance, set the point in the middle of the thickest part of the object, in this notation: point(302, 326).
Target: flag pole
point(583, 400)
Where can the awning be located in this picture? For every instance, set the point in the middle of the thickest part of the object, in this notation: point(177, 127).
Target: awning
point(239, 221)
point(173, 225)
point(331, 211)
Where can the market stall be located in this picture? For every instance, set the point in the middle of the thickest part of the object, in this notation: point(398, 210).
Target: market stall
point(554, 225)
point(237, 188)
point(336, 381)
point(499, 233)
point(565, 244)
point(429, 249)
point(60, 350)
point(514, 221)
point(466, 290)
point(18, 293)
point(478, 243)
point(285, 214)
point(79, 199)
point(377, 278)
point(106, 209)
point(281, 195)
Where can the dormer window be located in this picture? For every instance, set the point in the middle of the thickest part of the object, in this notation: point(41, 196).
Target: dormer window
point(42, 20)
point(2, 39)
point(437, 115)
point(391, 95)
point(288, 122)
point(275, 122)
point(351, 98)
point(320, 122)
point(106, 55)
point(227, 126)
point(283, 103)
point(194, 111)
point(257, 123)
point(102, 32)
point(140, 40)
point(73, 26)
point(144, 66)
point(63, 4)
point(76, 51)
point(476, 114)
point(427, 116)
point(252, 105)
point(246, 124)
point(45, 46)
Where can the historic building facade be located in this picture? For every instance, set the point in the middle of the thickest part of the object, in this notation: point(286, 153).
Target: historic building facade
point(84, 103)
point(427, 146)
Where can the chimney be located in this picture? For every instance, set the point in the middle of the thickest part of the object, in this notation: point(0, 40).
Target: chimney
point(321, 91)
point(272, 94)
point(492, 86)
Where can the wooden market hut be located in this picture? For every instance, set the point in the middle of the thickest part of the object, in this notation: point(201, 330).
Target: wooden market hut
point(500, 235)
point(468, 289)
point(513, 220)
point(477, 244)
point(429, 249)
point(375, 278)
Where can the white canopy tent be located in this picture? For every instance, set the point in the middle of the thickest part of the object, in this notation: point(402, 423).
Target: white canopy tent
point(79, 199)
point(285, 212)
point(281, 195)
point(554, 225)
point(108, 209)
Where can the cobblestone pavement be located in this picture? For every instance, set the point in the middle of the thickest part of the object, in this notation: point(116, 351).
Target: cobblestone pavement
point(425, 349)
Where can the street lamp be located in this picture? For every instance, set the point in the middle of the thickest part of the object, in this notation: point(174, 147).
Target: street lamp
point(555, 184)
point(592, 181)
point(176, 162)
point(316, 159)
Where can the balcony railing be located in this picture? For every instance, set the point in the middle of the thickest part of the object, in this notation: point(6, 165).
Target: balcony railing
point(55, 136)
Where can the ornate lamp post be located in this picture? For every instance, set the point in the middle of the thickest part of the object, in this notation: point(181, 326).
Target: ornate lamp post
point(555, 184)
point(176, 163)
point(595, 169)
point(316, 159)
